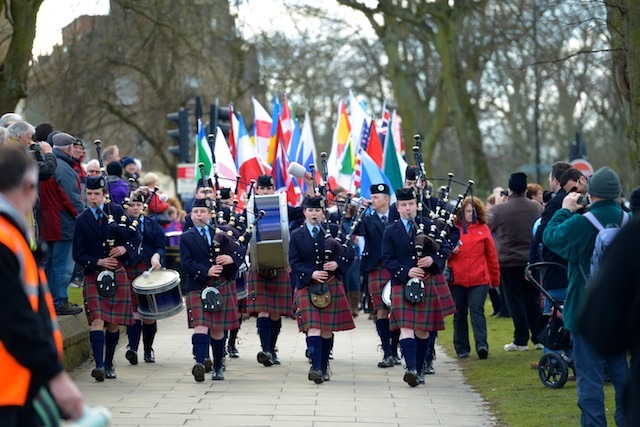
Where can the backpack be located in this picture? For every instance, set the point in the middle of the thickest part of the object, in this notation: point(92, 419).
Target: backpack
point(603, 239)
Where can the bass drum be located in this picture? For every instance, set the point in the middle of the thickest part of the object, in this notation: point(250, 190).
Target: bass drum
point(386, 294)
point(269, 247)
point(159, 294)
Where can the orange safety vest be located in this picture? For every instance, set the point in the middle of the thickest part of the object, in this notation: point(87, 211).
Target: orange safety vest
point(15, 378)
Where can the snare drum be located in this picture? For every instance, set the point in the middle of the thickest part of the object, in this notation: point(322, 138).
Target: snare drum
point(386, 294)
point(269, 247)
point(159, 295)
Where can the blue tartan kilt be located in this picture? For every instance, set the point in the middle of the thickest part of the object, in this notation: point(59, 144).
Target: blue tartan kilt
point(117, 309)
point(223, 320)
point(334, 317)
point(273, 296)
point(377, 279)
point(424, 316)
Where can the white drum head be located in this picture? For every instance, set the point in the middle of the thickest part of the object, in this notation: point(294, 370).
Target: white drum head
point(155, 280)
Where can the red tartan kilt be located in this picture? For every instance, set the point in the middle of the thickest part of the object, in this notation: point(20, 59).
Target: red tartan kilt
point(133, 272)
point(117, 309)
point(334, 317)
point(223, 320)
point(446, 300)
point(272, 296)
point(425, 316)
point(377, 279)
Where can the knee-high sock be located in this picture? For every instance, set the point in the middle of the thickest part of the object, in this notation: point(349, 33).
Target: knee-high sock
point(421, 351)
point(315, 351)
point(382, 325)
point(148, 334)
point(408, 347)
point(276, 325)
point(431, 346)
point(327, 345)
point(96, 338)
point(395, 339)
point(200, 347)
point(233, 334)
point(133, 335)
point(218, 352)
point(264, 330)
point(110, 343)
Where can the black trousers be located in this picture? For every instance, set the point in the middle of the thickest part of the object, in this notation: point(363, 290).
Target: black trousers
point(524, 303)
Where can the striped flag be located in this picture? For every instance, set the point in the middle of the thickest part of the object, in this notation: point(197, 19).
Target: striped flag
point(203, 152)
point(262, 126)
point(339, 141)
point(362, 146)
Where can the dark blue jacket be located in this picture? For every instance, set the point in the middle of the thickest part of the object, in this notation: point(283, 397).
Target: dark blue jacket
point(398, 253)
point(306, 255)
point(372, 229)
point(197, 257)
point(153, 240)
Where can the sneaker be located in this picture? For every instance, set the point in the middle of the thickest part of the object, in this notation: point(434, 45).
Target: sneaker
point(68, 309)
point(539, 346)
point(512, 347)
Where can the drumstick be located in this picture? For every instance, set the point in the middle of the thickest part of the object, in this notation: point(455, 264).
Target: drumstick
point(147, 273)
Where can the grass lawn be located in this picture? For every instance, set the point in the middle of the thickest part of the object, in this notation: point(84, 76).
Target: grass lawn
point(505, 380)
point(75, 296)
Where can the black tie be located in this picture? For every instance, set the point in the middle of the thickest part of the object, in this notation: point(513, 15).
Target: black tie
point(314, 232)
point(202, 233)
point(384, 220)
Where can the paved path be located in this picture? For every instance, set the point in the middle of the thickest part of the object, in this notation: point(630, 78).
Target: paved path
point(165, 394)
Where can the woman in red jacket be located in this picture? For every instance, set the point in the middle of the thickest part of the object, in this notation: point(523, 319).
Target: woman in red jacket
point(474, 267)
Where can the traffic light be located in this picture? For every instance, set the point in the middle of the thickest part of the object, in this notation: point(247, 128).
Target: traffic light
point(220, 117)
point(181, 135)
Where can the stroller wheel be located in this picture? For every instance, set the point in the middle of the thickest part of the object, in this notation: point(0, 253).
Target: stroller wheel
point(553, 370)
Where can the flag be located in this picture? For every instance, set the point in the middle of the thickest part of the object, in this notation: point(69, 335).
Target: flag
point(280, 172)
point(307, 153)
point(384, 122)
point(359, 120)
point(234, 129)
point(371, 174)
point(275, 114)
point(262, 126)
point(225, 164)
point(394, 126)
point(286, 122)
point(362, 146)
point(390, 164)
point(374, 147)
point(203, 152)
point(346, 169)
point(338, 143)
point(249, 163)
point(294, 145)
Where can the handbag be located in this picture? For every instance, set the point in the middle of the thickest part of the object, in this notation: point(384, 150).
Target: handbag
point(320, 295)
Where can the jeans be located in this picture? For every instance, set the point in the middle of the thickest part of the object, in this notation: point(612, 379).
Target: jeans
point(59, 269)
point(590, 382)
point(469, 299)
point(524, 304)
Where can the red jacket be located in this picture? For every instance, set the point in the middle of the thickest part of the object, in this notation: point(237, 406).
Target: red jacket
point(476, 262)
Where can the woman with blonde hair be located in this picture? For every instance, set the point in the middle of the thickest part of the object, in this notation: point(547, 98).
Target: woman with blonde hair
point(474, 268)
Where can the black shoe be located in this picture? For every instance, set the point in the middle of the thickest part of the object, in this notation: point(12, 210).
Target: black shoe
point(411, 378)
point(420, 377)
point(397, 361)
point(198, 372)
point(233, 352)
point(326, 376)
point(315, 375)
point(110, 373)
point(483, 353)
point(208, 365)
point(265, 358)
point(68, 309)
point(217, 375)
point(387, 362)
point(275, 358)
point(98, 374)
point(429, 369)
point(132, 357)
point(331, 354)
point(150, 356)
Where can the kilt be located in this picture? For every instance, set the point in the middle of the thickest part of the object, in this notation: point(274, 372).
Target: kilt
point(425, 316)
point(272, 296)
point(377, 279)
point(117, 309)
point(446, 300)
point(334, 317)
point(133, 271)
point(223, 320)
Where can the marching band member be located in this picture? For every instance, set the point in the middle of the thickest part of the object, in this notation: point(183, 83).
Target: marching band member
point(270, 291)
point(414, 319)
point(321, 309)
point(154, 248)
point(209, 274)
point(372, 229)
point(105, 304)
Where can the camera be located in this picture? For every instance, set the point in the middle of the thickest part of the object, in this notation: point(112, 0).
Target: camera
point(583, 200)
point(504, 193)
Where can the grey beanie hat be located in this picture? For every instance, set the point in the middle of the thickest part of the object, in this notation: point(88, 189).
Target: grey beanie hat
point(604, 183)
point(62, 139)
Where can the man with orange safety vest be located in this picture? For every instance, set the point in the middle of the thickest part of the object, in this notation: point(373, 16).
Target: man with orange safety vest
point(30, 340)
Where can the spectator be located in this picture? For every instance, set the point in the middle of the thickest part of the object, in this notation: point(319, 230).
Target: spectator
point(30, 341)
point(616, 287)
point(130, 171)
point(21, 132)
point(93, 168)
point(7, 119)
point(511, 223)
point(173, 225)
point(156, 205)
point(535, 192)
point(500, 194)
point(573, 237)
point(118, 188)
point(60, 204)
point(474, 268)
point(42, 131)
point(110, 154)
point(634, 203)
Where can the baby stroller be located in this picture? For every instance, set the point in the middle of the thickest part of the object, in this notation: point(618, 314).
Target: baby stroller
point(553, 367)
